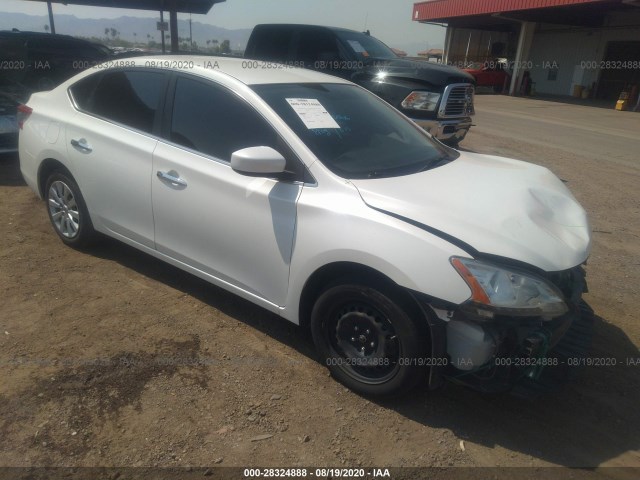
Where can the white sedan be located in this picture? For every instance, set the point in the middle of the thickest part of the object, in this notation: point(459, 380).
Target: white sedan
point(411, 262)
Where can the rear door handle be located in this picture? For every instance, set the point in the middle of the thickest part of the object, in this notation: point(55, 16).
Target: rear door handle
point(81, 144)
point(174, 179)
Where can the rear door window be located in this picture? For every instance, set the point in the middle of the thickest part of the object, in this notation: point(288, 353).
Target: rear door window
point(131, 98)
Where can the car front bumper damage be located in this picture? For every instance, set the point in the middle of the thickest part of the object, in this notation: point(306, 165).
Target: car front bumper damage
point(527, 355)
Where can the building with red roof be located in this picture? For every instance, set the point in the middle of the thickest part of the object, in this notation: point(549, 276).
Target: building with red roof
point(562, 46)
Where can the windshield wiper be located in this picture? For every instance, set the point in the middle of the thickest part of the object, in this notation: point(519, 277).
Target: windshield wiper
point(436, 163)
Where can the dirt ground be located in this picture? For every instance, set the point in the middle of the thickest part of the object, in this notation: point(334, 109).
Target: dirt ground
point(111, 358)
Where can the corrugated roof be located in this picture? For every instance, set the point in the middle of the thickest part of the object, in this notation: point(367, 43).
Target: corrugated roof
point(186, 6)
point(431, 52)
point(433, 10)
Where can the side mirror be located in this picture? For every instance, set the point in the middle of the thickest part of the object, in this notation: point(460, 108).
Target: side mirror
point(258, 160)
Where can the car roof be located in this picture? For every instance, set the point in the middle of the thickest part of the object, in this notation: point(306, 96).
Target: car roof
point(26, 34)
point(249, 72)
point(304, 25)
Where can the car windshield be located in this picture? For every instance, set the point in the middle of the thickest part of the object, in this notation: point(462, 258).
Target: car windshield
point(354, 133)
point(365, 46)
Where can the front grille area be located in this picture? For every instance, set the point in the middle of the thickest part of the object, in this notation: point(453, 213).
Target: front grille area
point(457, 101)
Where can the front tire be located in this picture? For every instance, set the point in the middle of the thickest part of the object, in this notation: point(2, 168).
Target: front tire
point(368, 340)
point(67, 211)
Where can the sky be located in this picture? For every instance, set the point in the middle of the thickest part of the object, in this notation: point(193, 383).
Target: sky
point(388, 20)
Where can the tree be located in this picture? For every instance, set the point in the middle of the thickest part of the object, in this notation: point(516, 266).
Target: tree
point(106, 33)
point(114, 32)
point(46, 28)
point(225, 46)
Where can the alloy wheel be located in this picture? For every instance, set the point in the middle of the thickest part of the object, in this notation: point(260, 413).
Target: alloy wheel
point(64, 210)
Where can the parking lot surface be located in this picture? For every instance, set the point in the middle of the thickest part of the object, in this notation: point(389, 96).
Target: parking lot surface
point(109, 357)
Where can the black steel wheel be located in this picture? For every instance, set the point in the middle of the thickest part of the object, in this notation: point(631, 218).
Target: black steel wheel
point(367, 338)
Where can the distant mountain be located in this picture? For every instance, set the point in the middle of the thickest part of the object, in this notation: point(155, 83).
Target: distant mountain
point(141, 27)
point(133, 29)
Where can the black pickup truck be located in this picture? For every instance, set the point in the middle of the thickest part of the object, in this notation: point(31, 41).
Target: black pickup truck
point(437, 97)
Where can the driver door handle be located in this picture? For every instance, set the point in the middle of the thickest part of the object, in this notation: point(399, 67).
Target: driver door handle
point(171, 178)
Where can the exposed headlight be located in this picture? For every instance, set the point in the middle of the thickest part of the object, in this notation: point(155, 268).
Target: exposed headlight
point(510, 291)
point(421, 101)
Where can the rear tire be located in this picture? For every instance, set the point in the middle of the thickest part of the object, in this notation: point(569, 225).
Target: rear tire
point(67, 211)
point(366, 337)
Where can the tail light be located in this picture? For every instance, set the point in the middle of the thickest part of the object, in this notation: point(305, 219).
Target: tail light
point(23, 114)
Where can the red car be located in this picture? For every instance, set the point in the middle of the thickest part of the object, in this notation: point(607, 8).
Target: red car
point(490, 75)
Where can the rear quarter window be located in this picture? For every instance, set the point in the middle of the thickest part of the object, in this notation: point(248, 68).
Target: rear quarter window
point(82, 91)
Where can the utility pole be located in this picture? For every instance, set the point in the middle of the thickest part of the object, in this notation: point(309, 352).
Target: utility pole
point(164, 50)
point(466, 55)
point(53, 25)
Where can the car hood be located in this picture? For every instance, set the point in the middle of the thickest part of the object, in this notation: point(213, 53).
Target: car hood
point(496, 205)
point(434, 73)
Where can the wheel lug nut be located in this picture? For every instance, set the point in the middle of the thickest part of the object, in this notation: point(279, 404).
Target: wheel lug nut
point(353, 339)
point(362, 349)
point(373, 344)
point(356, 329)
point(368, 331)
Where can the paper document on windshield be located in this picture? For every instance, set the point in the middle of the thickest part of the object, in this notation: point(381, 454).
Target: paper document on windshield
point(312, 113)
point(358, 48)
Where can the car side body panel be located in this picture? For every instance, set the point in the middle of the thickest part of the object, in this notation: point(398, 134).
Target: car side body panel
point(43, 136)
point(115, 176)
point(411, 257)
point(235, 227)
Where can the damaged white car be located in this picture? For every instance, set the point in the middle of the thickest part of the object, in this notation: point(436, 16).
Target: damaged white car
point(411, 262)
